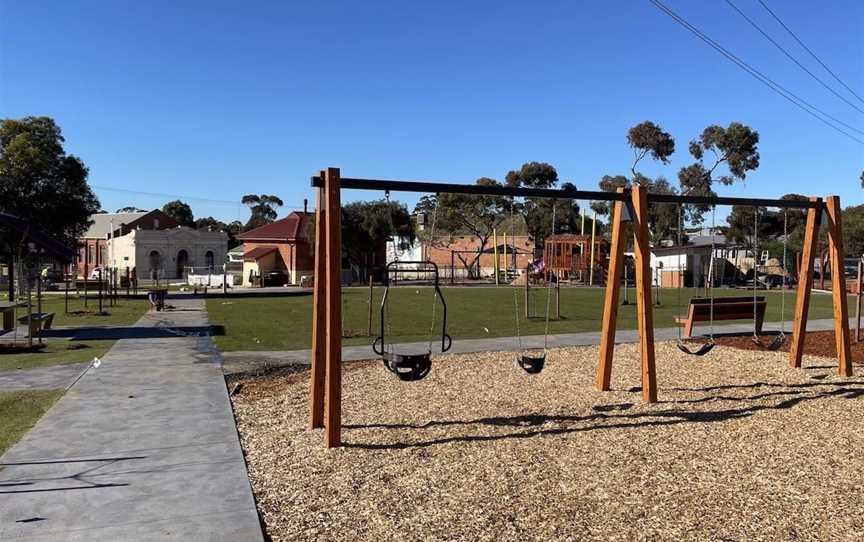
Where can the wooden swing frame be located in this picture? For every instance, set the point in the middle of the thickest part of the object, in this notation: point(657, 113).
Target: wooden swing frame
point(325, 385)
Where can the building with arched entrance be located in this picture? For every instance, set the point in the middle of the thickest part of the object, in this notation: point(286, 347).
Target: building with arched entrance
point(151, 243)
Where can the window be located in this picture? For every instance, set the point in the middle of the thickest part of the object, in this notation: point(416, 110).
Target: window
point(91, 254)
point(209, 259)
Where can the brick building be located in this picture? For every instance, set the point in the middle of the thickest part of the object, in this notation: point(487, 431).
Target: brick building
point(283, 247)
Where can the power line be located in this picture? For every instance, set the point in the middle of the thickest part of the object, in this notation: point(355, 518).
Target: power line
point(762, 78)
point(792, 58)
point(181, 197)
point(801, 43)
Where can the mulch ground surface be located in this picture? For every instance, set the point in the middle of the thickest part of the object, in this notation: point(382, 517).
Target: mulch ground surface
point(818, 343)
point(740, 447)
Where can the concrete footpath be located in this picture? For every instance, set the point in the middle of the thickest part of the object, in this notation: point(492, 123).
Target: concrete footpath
point(142, 448)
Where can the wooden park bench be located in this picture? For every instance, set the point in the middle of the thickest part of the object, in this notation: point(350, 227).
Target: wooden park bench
point(38, 321)
point(725, 308)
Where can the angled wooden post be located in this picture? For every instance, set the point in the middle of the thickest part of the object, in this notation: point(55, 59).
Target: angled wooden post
point(805, 284)
point(333, 289)
point(610, 306)
point(319, 316)
point(644, 307)
point(838, 286)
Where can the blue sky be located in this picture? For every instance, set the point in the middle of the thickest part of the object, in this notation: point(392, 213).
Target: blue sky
point(211, 100)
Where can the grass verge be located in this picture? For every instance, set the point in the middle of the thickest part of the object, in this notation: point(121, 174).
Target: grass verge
point(19, 412)
point(56, 353)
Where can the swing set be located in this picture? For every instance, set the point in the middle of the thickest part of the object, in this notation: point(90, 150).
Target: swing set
point(325, 390)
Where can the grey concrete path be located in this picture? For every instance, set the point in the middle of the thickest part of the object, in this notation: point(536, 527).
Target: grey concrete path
point(239, 361)
point(142, 448)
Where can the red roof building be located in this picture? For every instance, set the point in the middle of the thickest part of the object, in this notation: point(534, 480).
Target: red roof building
point(284, 247)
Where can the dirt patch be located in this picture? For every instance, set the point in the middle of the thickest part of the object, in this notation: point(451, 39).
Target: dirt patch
point(818, 343)
point(740, 447)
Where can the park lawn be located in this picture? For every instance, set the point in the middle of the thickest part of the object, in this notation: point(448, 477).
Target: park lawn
point(126, 312)
point(284, 323)
point(19, 412)
point(56, 353)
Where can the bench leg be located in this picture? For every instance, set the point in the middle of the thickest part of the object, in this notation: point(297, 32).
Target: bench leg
point(8, 321)
point(760, 319)
point(688, 328)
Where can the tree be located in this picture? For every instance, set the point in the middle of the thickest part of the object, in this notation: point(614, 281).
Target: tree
point(42, 184)
point(537, 212)
point(736, 146)
point(647, 138)
point(232, 229)
point(130, 210)
point(853, 231)
point(366, 225)
point(262, 209)
point(179, 211)
point(466, 214)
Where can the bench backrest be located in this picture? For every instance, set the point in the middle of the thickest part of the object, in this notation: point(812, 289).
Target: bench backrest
point(725, 300)
point(738, 310)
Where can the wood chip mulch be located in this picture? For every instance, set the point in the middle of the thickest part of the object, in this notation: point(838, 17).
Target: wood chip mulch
point(817, 343)
point(740, 447)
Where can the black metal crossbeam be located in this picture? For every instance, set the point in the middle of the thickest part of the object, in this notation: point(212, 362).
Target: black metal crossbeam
point(555, 193)
point(472, 189)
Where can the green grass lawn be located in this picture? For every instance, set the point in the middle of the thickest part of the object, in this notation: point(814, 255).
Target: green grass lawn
point(284, 323)
point(19, 412)
point(56, 353)
point(126, 312)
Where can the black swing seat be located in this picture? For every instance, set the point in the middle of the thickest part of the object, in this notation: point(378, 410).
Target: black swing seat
point(773, 345)
point(408, 367)
point(701, 351)
point(531, 364)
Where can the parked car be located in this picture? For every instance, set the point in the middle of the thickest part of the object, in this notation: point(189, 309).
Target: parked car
point(274, 278)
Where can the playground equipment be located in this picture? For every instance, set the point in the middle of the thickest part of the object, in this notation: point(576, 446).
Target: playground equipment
point(533, 362)
point(326, 373)
point(757, 338)
point(694, 303)
point(410, 366)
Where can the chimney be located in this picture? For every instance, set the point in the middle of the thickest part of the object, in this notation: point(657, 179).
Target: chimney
point(305, 206)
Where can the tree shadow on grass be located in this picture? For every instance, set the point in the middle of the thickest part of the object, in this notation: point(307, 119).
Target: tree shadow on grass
point(607, 420)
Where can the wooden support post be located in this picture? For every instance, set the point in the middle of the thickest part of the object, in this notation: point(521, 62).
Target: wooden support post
point(805, 284)
point(369, 315)
point(644, 307)
point(593, 241)
point(333, 332)
point(610, 309)
point(858, 301)
point(838, 286)
point(319, 316)
point(495, 251)
point(558, 298)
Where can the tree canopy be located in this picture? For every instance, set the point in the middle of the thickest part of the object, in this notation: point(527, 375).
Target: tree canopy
point(537, 212)
point(465, 214)
point(368, 224)
point(180, 211)
point(646, 138)
point(262, 207)
point(232, 229)
point(39, 182)
point(130, 209)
